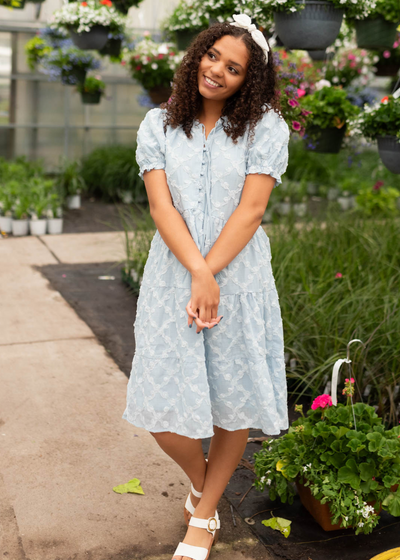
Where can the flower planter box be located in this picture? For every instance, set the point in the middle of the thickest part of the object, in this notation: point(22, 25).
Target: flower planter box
point(95, 39)
point(328, 140)
point(184, 37)
point(375, 33)
point(6, 224)
point(91, 98)
point(20, 227)
point(54, 226)
point(112, 48)
point(38, 227)
point(313, 28)
point(389, 152)
point(160, 94)
point(73, 77)
point(74, 202)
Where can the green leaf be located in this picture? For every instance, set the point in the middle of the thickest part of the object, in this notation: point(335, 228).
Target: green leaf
point(342, 431)
point(133, 487)
point(349, 474)
point(393, 504)
point(375, 441)
point(355, 445)
point(390, 481)
point(278, 524)
point(338, 460)
point(367, 471)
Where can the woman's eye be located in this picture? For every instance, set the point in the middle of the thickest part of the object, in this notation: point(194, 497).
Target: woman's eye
point(234, 69)
point(211, 54)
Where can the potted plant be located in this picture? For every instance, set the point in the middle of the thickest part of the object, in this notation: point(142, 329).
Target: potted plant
point(36, 49)
point(342, 460)
point(39, 191)
point(6, 204)
point(377, 199)
point(388, 61)
point(70, 64)
point(330, 111)
point(20, 212)
point(88, 23)
point(345, 200)
point(350, 66)
point(381, 122)
point(113, 46)
point(185, 23)
point(313, 24)
point(71, 183)
point(123, 6)
point(153, 65)
point(91, 90)
point(54, 215)
point(377, 30)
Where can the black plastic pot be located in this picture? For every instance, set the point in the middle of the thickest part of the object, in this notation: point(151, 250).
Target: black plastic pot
point(90, 98)
point(73, 77)
point(112, 48)
point(95, 39)
point(320, 55)
point(375, 33)
point(184, 37)
point(389, 151)
point(122, 6)
point(325, 140)
point(313, 28)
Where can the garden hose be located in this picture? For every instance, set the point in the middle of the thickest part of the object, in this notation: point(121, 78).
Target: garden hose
point(393, 554)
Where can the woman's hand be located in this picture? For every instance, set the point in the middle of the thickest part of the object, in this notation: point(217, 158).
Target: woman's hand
point(203, 305)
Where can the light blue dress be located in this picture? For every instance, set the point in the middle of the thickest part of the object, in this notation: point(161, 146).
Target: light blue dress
point(232, 376)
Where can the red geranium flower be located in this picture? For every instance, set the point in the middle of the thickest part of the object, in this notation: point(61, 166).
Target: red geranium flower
point(84, 4)
point(385, 99)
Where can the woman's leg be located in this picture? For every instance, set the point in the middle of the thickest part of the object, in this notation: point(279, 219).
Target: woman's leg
point(188, 453)
point(226, 450)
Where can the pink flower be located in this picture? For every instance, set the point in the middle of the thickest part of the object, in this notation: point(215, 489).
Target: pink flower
point(296, 125)
point(396, 44)
point(352, 64)
point(123, 62)
point(305, 113)
point(293, 103)
point(339, 275)
point(386, 54)
point(351, 380)
point(351, 57)
point(322, 401)
point(301, 92)
point(378, 185)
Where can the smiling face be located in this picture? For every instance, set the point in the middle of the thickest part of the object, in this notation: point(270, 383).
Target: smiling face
point(222, 70)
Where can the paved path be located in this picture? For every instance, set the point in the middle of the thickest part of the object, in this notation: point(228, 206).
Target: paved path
point(63, 443)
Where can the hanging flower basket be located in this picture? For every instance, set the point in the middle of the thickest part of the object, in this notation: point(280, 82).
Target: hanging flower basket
point(320, 55)
point(91, 98)
point(326, 140)
point(95, 39)
point(73, 76)
point(313, 28)
point(389, 151)
point(112, 48)
point(375, 33)
point(184, 37)
point(160, 94)
point(386, 69)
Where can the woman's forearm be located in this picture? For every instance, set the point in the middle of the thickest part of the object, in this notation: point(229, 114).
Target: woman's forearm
point(237, 232)
point(174, 231)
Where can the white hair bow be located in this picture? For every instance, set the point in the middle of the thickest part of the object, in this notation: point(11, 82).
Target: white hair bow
point(244, 21)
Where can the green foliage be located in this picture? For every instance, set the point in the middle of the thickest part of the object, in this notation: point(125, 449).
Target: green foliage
point(378, 201)
point(389, 9)
point(111, 171)
point(353, 9)
point(91, 85)
point(36, 49)
point(70, 180)
point(344, 465)
point(382, 119)
point(329, 107)
point(322, 312)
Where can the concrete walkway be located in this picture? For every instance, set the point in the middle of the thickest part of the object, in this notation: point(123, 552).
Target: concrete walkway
point(63, 443)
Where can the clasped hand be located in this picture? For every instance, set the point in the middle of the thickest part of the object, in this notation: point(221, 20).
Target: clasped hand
point(202, 307)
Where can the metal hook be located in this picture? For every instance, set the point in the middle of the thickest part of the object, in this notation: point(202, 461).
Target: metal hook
point(351, 342)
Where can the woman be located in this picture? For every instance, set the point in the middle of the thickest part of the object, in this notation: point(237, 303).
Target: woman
point(210, 158)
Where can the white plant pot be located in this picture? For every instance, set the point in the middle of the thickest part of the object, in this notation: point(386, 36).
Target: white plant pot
point(345, 202)
point(332, 193)
point(20, 227)
point(300, 209)
point(127, 197)
point(6, 224)
point(74, 201)
point(312, 189)
point(38, 227)
point(284, 208)
point(54, 226)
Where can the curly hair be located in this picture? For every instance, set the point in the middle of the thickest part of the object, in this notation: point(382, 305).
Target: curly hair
point(243, 107)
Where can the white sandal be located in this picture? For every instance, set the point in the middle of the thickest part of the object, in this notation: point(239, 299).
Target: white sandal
point(212, 525)
point(189, 507)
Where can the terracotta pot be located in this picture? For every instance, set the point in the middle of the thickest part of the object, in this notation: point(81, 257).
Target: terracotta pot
point(321, 512)
point(160, 94)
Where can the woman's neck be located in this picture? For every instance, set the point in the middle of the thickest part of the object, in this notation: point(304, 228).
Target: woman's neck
point(211, 110)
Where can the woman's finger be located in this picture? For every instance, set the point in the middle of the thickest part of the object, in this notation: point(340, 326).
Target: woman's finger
point(191, 314)
point(214, 322)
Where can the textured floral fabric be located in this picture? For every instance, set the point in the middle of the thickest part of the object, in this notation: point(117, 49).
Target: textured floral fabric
point(232, 376)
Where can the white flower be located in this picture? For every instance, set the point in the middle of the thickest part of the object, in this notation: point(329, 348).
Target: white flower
point(346, 518)
point(154, 66)
point(268, 482)
point(262, 479)
point(361, 524)
point(321, 84)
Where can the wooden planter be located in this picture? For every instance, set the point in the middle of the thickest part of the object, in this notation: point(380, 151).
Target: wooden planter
point(160, 94)
point(321, 512)
point(375, 33)
point(313, 28)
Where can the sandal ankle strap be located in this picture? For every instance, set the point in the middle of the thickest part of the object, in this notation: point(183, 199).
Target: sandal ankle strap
point(195, 492)
point(210, 524)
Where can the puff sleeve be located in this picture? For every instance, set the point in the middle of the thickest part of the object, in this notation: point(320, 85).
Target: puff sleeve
point(268, 153)
point(150, 151)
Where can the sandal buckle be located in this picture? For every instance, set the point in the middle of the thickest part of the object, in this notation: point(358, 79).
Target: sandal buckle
point(212, 521)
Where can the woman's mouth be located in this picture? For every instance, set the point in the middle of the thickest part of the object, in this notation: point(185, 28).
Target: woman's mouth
point(210, 83)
